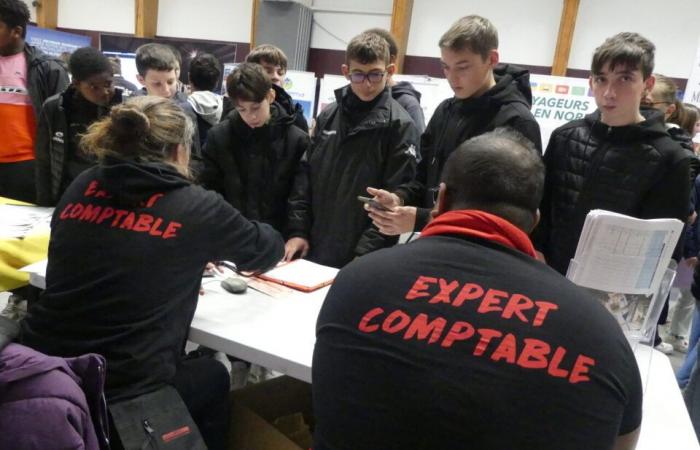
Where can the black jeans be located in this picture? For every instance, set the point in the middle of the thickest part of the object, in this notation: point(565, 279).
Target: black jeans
point(203, 383)
point(17, 181)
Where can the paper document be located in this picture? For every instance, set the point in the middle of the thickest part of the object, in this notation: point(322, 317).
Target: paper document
point(623, 254)
point(302, 275)
point(625, 263)
point(17, 221)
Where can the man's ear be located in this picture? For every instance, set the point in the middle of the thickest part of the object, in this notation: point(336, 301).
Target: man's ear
point(535, 221)
point(271, 95)
point(441, 205)
point(493, 58)
point(141, 80)
point(649, 83)
point(390, 69)
point(345, 71)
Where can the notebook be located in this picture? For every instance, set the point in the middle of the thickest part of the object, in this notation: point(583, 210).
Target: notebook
point(302, 275)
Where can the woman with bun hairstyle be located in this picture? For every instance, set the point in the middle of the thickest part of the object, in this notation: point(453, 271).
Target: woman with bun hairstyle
point(130, 239)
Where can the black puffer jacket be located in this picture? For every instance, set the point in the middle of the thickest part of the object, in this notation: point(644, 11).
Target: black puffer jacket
point(637, 170)
point(409, 98)
point(254, 168)
point(454, 121)
point(380, 150)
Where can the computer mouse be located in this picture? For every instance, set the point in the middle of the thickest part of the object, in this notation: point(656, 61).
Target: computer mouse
point(234, 285)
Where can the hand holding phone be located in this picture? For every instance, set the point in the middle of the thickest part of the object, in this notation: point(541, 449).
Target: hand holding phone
point(372, 203)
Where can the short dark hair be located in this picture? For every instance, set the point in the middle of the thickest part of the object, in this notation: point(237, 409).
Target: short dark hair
point(88, 61)
point(248, 82)
point(389, 38)
point(205, 72)
point(499, 172)
point(630, 50)
point(474, 33)
point(157, 57)
point(367, 48)
point(15, 13)
point(268, 53)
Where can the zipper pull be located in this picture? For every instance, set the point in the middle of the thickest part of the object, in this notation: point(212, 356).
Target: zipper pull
point(147, 427)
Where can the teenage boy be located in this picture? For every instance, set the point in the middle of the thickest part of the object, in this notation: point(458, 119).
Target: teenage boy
point(487, 95)
point(204, 75)
point(402, 91)
point(158, 70)
point(28, 77)
point(619, 158)
point(274, 61)
point(363, 139)
point(251, 157)
point(65, 118)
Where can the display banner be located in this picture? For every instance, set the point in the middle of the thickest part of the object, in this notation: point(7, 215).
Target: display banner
point(692, 89)
point(55, 42)
point(301, 86)
point(558, 100)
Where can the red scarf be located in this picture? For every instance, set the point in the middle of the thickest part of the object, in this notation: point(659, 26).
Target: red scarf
point(480, 224)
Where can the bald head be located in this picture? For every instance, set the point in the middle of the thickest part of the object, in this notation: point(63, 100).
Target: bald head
point(499, 172)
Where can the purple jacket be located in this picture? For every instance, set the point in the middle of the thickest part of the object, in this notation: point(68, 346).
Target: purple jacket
point(50, 402)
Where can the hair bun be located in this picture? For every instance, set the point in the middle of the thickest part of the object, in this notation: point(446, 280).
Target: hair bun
point(128, 123)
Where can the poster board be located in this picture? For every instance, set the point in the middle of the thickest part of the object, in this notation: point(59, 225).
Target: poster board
point(558, 100)
point(55, 42)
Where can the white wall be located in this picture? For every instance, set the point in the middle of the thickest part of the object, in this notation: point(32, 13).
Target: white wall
point(216, 20)
point(671, 26)
point(527, 31)
point(117, 16)
point(336, 22)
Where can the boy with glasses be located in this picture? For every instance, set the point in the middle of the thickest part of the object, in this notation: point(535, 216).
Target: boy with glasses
point(363, 139)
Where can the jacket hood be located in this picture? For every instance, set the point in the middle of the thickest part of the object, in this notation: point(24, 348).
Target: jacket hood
point(512, 85)
point(207, 105)
point(18, 362)
point(132, 182)
point(35, 56)
point(404, 88)
point(651, 128)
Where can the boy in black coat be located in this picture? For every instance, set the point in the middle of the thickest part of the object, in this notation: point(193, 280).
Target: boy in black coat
point(488, 95)
point(252, 155)
point(363, 139)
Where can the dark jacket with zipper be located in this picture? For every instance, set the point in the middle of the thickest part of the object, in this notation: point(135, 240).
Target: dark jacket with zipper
point(46, 76)
point(637, 170)
point(56, 144)
point(507, 104)
point(254, 168)
point(129, 243)
point(350, 152)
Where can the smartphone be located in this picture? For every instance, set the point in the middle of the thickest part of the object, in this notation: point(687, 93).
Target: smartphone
point(372, 203)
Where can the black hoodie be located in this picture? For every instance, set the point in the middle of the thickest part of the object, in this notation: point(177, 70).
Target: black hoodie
point(409, 98)
point(254, 168)
point(637, 170)
point(507, 104)
point(129, 242)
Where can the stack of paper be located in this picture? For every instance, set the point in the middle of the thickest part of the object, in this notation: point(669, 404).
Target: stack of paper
point(302, 275)
point(625, 263)
point(17, 221)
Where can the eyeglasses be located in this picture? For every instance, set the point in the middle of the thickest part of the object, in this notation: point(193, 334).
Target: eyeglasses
point(360, 77)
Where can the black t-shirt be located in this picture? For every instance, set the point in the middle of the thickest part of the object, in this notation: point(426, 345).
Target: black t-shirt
point(128, 246)
point(459, 343)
